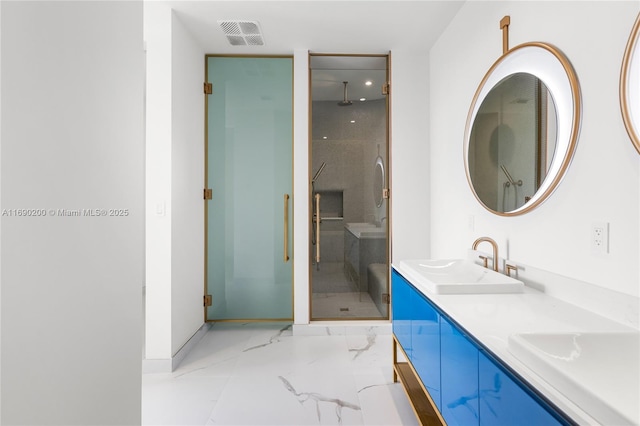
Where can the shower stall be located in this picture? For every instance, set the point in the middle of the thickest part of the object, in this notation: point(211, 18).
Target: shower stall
point(349, 236)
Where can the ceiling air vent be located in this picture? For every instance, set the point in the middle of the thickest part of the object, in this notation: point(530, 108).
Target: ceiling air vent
point(242, 33)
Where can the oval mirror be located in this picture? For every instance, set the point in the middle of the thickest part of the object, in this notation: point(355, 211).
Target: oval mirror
point(522, 129)
point(630, 86)
point(378, 181)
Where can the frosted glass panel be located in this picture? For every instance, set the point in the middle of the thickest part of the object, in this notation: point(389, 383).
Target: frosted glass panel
point(249, 171)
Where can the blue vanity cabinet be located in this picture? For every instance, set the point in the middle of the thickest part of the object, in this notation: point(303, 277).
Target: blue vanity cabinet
point(467, 384)
point(425, 340)
point(416, 327)
point(401, 298)
point(505, 402)
point(459, 375)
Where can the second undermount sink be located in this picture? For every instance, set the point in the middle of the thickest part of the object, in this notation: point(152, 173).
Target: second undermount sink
point(598, 371)
point(458, 276)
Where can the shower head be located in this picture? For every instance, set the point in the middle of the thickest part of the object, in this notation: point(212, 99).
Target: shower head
point(345, 102)
point(322, 166)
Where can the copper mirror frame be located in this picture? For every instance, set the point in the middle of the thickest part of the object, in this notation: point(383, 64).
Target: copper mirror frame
point(552, 67)
point(630, 86)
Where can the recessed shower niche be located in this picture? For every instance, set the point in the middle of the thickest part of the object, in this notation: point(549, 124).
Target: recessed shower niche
point(349, 121)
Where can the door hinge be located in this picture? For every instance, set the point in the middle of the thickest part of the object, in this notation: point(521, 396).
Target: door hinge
point(207, 300)
point(208, 194)
point(386, 88)
point(386, 193)
point(208, 88)
point(386, 299)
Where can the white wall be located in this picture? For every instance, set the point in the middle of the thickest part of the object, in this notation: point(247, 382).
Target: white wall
point(72, 138)
point(187, 183)
point(410, 155)
point(602, 183)
point(301, 186)
point(158, 319)
point(174, 183)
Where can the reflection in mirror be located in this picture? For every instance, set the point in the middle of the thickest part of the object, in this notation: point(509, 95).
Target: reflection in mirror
point(378, 181)
point(556, 113)
point(512, 142)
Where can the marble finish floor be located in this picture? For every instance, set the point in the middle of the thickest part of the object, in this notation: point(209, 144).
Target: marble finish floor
point(262, 374)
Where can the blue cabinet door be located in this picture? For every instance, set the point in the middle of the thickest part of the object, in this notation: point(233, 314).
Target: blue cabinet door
point(425, 338)
point(401, 310)
point(504, 402)
point(459, 376)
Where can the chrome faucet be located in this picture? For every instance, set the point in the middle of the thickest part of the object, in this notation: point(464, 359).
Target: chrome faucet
point(494, 246)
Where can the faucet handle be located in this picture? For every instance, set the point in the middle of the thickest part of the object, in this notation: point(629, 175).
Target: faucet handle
point(485, 260)
point(510, 268)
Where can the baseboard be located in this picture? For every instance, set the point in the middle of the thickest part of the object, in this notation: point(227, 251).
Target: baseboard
point(156, 366)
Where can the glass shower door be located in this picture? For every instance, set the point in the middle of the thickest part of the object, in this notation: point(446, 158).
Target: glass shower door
point(249, 170)
point(349, 165)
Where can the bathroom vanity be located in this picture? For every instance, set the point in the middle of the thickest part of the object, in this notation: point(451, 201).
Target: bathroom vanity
point(472, 351)
point(513, 359)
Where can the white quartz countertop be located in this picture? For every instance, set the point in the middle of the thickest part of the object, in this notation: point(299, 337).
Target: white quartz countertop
point(492, 318)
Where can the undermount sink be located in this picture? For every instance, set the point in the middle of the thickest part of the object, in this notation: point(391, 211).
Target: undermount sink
point(458, 276)
point(598, 371)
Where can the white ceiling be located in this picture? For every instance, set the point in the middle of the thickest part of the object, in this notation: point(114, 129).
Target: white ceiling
point(323, 26)
point(328, 74)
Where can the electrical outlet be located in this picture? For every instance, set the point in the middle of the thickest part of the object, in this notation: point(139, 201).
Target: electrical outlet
point(600, 238)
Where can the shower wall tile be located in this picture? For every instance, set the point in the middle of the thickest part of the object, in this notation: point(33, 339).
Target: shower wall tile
point(350, 151)
point(352, 257)
point(332, 246)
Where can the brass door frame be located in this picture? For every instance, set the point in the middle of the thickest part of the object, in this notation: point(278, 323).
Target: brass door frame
point(206, 182)
point(388, 179)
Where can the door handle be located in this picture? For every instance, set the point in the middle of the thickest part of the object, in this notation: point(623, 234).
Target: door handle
point(286, 227)
point(317, 228)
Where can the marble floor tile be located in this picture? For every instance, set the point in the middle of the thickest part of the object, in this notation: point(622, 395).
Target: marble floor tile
point(370, 354)
point(376, 393)
point(288, 400)
point(263, 374)
point(296, 355)
point(179, 400)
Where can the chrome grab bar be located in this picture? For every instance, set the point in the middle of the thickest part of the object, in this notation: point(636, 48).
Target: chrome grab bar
point(286, 227)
